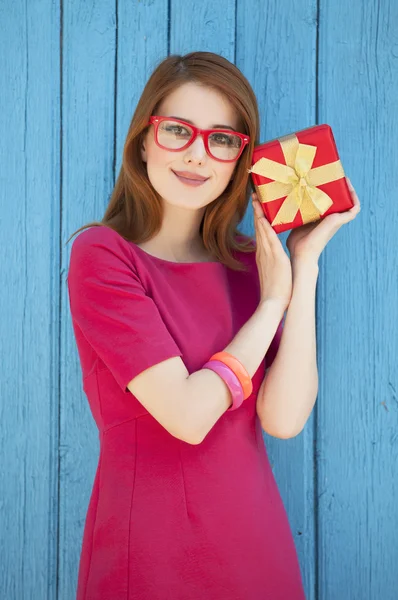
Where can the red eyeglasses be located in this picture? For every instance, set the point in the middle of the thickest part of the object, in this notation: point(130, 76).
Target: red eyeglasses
point(175, 135)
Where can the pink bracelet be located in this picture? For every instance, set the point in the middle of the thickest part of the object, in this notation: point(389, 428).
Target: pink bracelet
point(230, 379)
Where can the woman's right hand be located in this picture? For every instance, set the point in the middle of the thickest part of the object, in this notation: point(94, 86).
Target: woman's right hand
point(274, 267)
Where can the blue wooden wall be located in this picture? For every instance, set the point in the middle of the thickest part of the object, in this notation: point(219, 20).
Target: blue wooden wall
point(70, 76)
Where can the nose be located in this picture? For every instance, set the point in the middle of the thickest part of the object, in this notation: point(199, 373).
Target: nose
point(196, 151)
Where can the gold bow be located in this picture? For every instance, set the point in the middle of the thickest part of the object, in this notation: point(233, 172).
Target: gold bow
point(296, 180)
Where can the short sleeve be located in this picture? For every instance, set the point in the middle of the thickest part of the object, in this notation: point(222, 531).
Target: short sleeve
point(111, 308)
point(273, 347)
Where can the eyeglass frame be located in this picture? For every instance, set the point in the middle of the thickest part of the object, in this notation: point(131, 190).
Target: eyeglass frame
point(156, 120)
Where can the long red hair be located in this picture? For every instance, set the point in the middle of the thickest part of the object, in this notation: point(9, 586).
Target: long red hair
point(135, 208)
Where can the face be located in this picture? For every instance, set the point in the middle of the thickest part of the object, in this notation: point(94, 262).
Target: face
point(205, 108)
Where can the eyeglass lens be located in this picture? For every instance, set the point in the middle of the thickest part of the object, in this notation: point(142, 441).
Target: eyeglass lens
point(173, 136)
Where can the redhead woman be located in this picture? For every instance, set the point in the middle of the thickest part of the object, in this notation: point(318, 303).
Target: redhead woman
point(187, 353)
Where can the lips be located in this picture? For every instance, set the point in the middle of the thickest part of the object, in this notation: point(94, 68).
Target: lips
point(191, 176)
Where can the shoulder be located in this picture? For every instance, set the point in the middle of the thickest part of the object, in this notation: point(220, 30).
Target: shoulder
point(100, 248)
point(97, 236)
point(101, 240)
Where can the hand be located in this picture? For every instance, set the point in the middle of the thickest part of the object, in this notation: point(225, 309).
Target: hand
point(308, 241)
point(273, 264)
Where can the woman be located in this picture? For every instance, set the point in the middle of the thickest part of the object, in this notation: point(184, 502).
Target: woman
point(177, 318)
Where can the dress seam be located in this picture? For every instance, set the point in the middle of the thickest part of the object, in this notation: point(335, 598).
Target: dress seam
point(94, 524)
point(124, 422)
point(99, 485)
point(131, 510)
point(98, 392)
point(92, 370)
point(183, 480)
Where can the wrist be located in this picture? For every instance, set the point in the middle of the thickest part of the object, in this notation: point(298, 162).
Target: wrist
point(307, 264)
point(273, 305)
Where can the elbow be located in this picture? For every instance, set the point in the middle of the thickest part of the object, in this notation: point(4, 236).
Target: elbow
point(191, 436)
point(280, 434)
point(186, 437)
point(280, 428)
point(197, 437)
point(193, 440)
point(183, 433)
point(286, 435)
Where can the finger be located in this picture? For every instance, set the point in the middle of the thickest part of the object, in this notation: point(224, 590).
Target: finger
point(272, 237)
point(271, 234)
point(336, 220)
point(353, 194)
point(309, 226)
point(352, 212)
point(257, 207)
point(259, 219)
point(357, 204)
point(258, 211)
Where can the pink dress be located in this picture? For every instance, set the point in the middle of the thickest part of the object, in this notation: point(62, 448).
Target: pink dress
point(167, 519)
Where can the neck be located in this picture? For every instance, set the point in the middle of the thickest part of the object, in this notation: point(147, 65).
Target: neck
point(179, 238)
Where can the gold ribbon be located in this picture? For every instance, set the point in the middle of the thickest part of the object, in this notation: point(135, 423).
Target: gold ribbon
point(296, 180)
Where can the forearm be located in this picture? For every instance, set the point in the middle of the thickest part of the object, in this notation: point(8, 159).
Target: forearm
point(209, 395)
point(288, 393)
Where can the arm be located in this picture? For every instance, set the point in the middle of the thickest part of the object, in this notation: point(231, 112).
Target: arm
point(188, 406)
point(124, 328)
point(290, 387)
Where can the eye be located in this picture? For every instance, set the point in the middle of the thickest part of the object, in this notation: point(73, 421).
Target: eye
point(177, 130)
point(225, 139)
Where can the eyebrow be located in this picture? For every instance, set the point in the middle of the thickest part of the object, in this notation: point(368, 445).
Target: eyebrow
point(217, 126)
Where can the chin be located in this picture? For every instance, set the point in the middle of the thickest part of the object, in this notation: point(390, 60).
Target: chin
point(195, 204)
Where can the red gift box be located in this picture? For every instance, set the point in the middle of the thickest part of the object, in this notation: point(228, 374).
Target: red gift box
point(299, 178)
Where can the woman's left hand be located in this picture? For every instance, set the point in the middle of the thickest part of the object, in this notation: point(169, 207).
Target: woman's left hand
point(308, 241)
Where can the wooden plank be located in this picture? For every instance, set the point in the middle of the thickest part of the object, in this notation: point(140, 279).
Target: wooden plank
point(88, 91)
point(275, 43)
point(357, 405)
point(113, 55)
point(142, 44)
point(208, 26)
point(357, 434)
point(257, 49)
point(29, 299)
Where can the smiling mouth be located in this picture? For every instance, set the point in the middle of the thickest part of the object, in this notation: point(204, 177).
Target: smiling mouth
point(191, 182)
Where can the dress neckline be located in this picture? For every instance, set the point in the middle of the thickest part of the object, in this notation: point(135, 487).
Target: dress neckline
point(172, 262)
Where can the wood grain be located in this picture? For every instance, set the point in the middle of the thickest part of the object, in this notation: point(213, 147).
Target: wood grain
point(70, 78)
